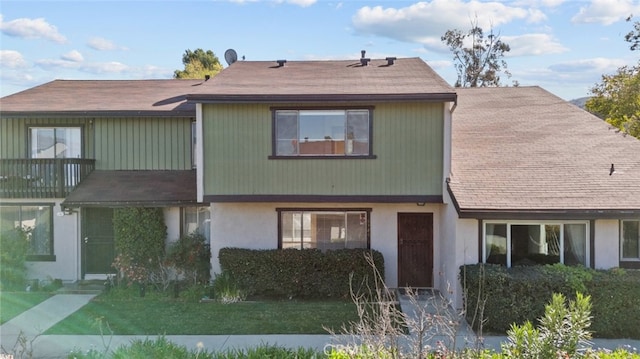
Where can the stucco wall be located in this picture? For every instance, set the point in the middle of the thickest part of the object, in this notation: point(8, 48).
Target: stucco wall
point(254, 226)
point(66, 246)
point(607, 243)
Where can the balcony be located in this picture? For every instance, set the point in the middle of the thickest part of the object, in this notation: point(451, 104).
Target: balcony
point(42, 177)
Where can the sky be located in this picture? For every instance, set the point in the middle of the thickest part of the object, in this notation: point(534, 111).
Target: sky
point(561, 45)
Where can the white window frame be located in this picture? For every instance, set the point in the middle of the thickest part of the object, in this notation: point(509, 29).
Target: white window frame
point(33, 140)
point(561, 223)
point(622, 257)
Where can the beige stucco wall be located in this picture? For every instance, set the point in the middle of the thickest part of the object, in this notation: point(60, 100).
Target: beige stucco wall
point(254, 226)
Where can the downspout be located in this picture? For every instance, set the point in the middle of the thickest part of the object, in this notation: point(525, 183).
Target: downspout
point(199, 154)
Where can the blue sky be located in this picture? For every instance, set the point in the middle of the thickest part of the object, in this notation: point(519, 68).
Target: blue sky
point(563, 46)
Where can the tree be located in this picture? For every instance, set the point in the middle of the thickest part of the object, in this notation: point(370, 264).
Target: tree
point(617, 98)
point(480, 64)
point(198, 64)
point(633, 36)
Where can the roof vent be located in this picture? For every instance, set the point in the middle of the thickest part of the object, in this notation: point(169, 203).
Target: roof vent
point(390, 60)
point(207, 77)
point(364, 61)
point(362, 53)
point(281, 63)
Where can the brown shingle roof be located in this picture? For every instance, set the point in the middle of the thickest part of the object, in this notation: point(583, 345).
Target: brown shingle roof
point(135, 188)
point(108, 97)
point(348, 80)
point(524, 149)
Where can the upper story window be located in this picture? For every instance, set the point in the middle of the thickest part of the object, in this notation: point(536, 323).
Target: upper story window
point(527, 243)
point(630, 238)
point(324, 133)
point(55, 142)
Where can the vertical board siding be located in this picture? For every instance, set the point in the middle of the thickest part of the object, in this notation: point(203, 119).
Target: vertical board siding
point(143, 143)
point(407, 140)
point(14, 134)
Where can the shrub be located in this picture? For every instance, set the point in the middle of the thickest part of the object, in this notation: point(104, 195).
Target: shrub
point(562, 332)
point(290, 273)
point(14, 245)
point(615, 296)
point(518, 294)
point(139, 235)
point(191, 257)
point(226, 289)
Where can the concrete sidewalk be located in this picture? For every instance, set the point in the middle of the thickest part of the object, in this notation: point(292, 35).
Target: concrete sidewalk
point(41, 317)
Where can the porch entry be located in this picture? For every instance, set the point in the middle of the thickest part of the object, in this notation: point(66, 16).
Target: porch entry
point(415, 250)
point(98, 250)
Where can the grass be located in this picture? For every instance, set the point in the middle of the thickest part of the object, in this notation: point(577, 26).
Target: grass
point(163, 316)
point(14, 303)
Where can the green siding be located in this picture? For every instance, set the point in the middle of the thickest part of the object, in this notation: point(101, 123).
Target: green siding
point(14, 133)
point(134, 143)
point(407, 140)
point(141, 143)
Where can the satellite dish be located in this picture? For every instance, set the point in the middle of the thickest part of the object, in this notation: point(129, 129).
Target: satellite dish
point(230, 56)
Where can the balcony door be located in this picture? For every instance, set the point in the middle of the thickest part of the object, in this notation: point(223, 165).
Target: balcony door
point(98, 250)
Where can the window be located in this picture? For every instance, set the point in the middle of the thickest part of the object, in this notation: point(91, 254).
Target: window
point(55, 142)
point(323, 229)
point(37, 220)
point(197, 220)
point(336, 133)
point(630, 236)
point(513, 244)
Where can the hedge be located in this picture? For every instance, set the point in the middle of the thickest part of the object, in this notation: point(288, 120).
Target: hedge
point(518, 294)
point(293, 273)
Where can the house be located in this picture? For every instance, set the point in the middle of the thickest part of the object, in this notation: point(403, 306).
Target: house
point(535, 179)
point(71, 151)
point(379, 154)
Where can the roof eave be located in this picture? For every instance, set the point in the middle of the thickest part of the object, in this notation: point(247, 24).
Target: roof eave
point(284, 98)
point(98, 113)
point(548, 214)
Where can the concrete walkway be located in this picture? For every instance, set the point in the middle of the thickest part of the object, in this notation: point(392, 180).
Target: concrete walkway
point(41, 317)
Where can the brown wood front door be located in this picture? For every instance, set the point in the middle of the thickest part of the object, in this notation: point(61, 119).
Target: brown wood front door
point(415, 250)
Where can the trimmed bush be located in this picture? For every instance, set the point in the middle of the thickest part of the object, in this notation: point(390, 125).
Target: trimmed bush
point(293, 273)
point(139, 235)
point(519, 294)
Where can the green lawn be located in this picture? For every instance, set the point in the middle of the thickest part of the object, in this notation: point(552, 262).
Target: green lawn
point(169, 317)
point(14, 303)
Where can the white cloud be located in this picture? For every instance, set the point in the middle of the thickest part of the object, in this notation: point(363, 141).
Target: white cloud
point(302, 3)
point(31, 29)
point(533, 44)
point(439, 64)
point(425, 22)
point(73, 55)
point(605, 12)
point(102, 44)
point(12, 59)
point(599, 65)
point(539, 3)
point(93, 68)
